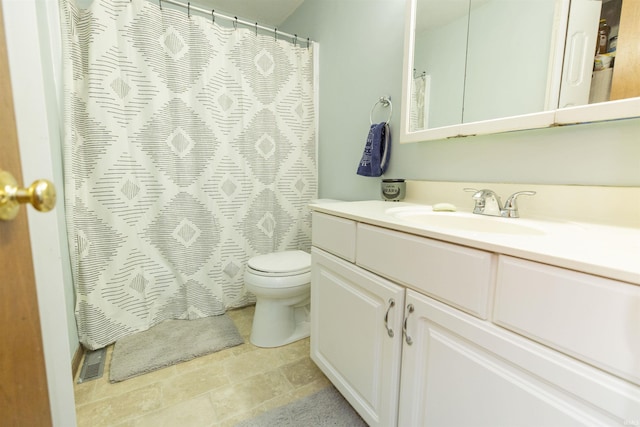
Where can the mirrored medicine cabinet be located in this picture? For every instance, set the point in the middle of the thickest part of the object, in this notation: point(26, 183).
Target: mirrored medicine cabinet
point(488, 66)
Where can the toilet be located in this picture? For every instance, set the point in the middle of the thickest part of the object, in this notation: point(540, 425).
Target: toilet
point(281, 282)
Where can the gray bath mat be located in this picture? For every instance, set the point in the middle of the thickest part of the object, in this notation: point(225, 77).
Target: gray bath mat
point(171, 342)
point(322, 409)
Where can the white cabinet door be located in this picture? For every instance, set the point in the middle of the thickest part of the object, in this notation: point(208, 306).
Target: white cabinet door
point(460, 371)
point(352, 314)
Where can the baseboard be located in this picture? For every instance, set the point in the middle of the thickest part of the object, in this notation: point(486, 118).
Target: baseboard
point(77, 358)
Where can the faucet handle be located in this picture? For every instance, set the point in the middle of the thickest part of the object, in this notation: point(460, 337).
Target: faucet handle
point(479, 201)
point(510, 206)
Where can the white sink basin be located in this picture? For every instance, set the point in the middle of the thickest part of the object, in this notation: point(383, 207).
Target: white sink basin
point(424, 216)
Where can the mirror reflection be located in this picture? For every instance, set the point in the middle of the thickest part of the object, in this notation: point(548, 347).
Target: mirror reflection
point(477, 60)
point(605, 52)
point(589, 78)
point(509, 56)
point(440, 55)
point(480, 59)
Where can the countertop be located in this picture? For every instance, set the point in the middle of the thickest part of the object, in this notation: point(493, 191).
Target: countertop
point(607, 251)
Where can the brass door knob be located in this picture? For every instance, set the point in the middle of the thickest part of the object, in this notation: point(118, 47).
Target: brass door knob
point(41, 194)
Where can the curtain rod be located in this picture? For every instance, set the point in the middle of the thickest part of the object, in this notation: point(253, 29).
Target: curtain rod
point(293, 37)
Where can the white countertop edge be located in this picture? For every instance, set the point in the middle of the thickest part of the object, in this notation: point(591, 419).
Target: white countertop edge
point(611, 252)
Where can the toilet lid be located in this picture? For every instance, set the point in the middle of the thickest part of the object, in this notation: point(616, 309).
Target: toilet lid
point(282, 262)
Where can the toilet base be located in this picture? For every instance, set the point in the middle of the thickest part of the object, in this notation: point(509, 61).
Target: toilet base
point(275, 326)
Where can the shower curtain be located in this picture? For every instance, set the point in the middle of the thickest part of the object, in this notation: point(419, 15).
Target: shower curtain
point(418, 114)
point(189, 147)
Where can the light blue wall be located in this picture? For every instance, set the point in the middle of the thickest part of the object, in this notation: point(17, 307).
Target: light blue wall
point(361, 52)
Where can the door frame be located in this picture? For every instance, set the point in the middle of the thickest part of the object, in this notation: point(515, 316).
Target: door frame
point(31, 53)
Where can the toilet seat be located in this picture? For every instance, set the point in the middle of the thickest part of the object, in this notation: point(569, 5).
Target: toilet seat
point(280, 264)
point(256, 282)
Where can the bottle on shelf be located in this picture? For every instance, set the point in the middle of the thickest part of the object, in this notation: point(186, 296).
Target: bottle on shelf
point(603, 37)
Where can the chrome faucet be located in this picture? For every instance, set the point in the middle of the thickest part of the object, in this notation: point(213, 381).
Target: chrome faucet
point(488, 203)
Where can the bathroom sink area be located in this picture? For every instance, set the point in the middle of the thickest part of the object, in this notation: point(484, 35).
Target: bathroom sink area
point(600, 249)
point(463, 221)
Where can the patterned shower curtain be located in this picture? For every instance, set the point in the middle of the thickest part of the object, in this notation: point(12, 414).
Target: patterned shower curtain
point(189, 147)
point(418, 112)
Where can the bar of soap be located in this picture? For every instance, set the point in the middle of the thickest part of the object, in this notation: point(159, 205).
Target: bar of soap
point(444, 207)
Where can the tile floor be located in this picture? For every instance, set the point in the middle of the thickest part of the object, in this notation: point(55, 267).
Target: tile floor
point(220, 389)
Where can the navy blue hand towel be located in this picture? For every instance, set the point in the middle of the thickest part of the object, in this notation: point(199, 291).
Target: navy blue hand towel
point(376, 151)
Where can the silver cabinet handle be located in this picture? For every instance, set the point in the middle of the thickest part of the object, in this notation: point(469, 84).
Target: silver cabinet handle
point(407, 338)
point(392, 303)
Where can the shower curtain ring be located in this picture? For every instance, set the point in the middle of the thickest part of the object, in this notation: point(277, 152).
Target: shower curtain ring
point(160, 4)
point(275, 34)
point(256, 29)
point(213, 16)
point(295, 40)
point(188, 9)
point(235, 23)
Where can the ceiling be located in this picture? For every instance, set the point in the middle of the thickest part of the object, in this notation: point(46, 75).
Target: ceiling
point(269, 13)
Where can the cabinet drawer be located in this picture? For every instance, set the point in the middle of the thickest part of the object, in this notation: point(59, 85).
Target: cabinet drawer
point(594, 319)
point(457, 275)
point(335, 235)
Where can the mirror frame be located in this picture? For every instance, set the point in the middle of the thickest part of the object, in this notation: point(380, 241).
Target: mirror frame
point(604, 111)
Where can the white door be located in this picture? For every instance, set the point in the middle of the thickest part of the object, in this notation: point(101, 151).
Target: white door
point(356, 320)
point(25, 398)
point(28, 43)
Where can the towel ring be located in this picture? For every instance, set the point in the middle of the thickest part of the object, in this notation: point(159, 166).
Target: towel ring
point(385, 102)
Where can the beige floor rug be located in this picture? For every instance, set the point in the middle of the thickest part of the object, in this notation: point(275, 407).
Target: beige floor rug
point(171, 342)
point(322, 409)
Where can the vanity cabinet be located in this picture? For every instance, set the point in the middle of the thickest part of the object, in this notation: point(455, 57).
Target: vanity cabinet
point(469, 338)
point(353, 312)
